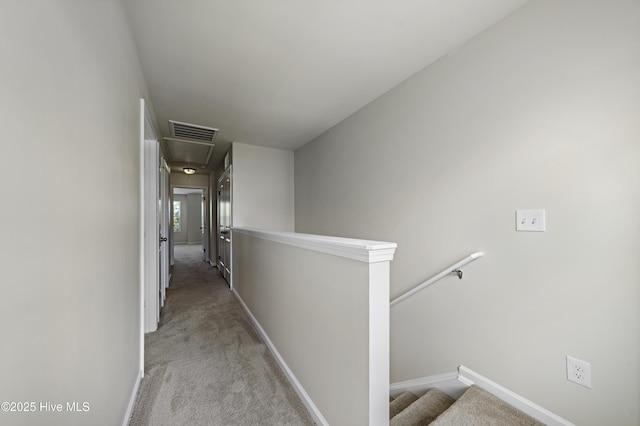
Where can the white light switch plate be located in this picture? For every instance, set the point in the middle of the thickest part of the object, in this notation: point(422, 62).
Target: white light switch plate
point(532, 220)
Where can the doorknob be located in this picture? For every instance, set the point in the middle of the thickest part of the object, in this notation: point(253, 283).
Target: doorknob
point(163, 239)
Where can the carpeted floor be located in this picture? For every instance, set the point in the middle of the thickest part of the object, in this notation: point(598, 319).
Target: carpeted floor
point(206, 365)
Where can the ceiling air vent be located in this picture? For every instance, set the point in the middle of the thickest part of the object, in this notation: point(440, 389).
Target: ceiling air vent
point(190, 144)
point(192, 132)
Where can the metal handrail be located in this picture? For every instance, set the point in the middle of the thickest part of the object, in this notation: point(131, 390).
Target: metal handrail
point(451, 269)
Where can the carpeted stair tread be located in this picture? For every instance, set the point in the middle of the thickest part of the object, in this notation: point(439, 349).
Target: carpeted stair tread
point(401, 402)
point(424, 410)
point(477, 407)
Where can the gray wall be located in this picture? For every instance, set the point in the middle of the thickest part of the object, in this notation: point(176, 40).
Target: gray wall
point(179, 179)
point(70, 306)
point(263, 188)
point(541, 111)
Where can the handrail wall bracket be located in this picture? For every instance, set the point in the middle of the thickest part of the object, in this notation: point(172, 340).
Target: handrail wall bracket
point(455, 268)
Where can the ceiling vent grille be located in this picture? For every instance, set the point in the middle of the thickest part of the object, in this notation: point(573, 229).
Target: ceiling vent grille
point(192, 132)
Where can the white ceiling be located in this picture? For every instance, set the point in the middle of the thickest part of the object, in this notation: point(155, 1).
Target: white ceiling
point(280, 72)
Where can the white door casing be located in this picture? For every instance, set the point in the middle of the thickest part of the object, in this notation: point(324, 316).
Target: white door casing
point(204, 228)
point(204, 218)
point(152, 237)
point(224, 225)
point(164, 212)
point(150, 285)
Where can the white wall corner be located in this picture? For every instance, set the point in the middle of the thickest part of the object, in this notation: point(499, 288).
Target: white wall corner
point(379, 343)
point(132, 398)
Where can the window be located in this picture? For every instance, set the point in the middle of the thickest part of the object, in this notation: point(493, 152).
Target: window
point(177, 216)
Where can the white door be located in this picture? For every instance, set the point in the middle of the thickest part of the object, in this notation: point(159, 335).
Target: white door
point(151, 235)
point(164, 212)
point(204, 227)
point(224, 225)
point(150, 227)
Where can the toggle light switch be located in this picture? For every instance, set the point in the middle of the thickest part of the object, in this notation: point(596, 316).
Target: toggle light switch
point(532, 220)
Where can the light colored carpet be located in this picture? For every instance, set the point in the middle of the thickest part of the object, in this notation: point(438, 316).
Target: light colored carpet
point(206, 365)
point(401, 402)
point(477, 407)
point(424, 410)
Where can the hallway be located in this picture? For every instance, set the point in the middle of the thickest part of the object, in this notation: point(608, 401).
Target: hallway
point(206, 365)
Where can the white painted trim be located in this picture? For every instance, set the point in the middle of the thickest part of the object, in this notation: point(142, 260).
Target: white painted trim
point(297, 386)
point(539, 413)
point(142, 242)
point(362, 250)
point(379, 344)
point(172, 243)
point(224, 270)
point(454, 384)
point(132, 399)
point(446, 382)
point(151, 235)
point(164, 214)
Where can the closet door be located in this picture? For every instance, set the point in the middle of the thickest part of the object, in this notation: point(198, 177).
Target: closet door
point(224, 224)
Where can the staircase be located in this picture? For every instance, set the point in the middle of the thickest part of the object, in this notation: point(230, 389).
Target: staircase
point(476, 407)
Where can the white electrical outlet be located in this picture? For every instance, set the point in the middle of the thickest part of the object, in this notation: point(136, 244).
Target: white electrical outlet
point(532, 220)
point(579, 371)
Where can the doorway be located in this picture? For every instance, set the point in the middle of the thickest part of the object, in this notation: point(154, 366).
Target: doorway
point(189, 224)
point(154, 209)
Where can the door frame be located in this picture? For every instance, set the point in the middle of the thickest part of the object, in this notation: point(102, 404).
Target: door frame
point(164, 213)
point(147, 133)
point(204, 226)
point(207, 224)
point(150, 234)
point(228, 276)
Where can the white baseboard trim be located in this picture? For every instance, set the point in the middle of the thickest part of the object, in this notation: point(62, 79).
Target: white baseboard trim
point(297, 386)
point(539, 413)
point(446, 382)
point(132, 399)
point(455, 383)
